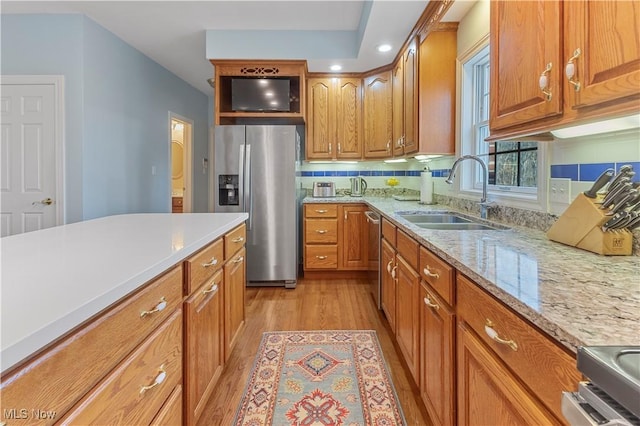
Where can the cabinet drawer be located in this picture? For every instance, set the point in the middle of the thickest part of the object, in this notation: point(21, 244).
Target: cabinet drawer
point(321, 231)
point(538, 361)
point(171, 412)
point(202, 265)
point(103, 343)
point(137, 389)
point(407, 248)
point(321, 210)
point(438, 274)
point(321, 256)
point(389, 231)
point(234, 241)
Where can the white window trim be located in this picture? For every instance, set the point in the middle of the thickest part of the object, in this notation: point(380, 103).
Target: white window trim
point(467, 186)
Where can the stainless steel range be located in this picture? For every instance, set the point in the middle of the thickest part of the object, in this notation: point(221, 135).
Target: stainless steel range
point(612, 396)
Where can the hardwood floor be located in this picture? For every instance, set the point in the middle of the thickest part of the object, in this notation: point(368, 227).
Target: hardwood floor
point(312, 305)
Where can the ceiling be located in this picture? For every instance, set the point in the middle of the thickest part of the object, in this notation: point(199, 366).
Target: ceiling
point(182, 35)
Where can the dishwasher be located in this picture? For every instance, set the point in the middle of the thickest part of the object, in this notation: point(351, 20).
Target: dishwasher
point(373, 220)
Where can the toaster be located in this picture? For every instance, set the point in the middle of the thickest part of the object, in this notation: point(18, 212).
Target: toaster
point(324, 189)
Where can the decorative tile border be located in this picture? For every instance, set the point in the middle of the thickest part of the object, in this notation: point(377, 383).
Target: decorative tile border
point(589, 172)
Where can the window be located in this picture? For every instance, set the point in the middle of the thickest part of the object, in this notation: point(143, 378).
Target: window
point(512, 165)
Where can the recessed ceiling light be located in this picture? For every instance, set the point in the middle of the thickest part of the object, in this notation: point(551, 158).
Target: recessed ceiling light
point(268, 94)
point(263, 82)
point(384, 47)
point(335, 67)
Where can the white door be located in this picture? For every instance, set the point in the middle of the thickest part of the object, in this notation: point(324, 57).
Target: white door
point(28, 175)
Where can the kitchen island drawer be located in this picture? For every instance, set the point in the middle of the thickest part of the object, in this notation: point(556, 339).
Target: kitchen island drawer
point(438, 274)
point(58, 377)
point(537, 360)
point(234, 241)
point(321, 231)
point(407, 248)
point(135, 392)
point(321, 256)
point(202, 265)
point(321, 210)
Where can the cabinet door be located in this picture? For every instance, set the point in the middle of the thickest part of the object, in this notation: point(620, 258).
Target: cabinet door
point(408, 315)
point(398, 106)
point(387, 273)
point(410, 101)
point(353, 238)
point(203, 350)
point(348, 118)
point(319, 132)
point(437, 357)
point(525, 40)
point(377, 115)
point(608, 67)
point(233, 296)
point(487, 393)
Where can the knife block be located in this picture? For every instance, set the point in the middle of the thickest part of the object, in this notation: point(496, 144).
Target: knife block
point(581, 226)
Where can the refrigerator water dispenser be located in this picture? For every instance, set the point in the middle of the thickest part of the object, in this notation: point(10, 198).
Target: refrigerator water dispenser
point(228, 190)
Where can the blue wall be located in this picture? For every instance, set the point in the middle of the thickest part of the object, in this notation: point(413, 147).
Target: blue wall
point(117, 104)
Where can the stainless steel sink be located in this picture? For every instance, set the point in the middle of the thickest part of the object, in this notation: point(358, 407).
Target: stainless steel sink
point(447, 221)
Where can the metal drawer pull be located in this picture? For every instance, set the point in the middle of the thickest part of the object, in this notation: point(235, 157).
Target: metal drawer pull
point(321, 231)
point(211, 289)
point(321, 257)
point(158, 380)
point(570, 69)
point(238, 240)
point(543, 82)
point(393, 272)
point(238, 260)
point(389, 266)
point(427, 301)
point(212, 262)
point(493, 334)
point(160, 306)
point(322, 211)
point(427, 272)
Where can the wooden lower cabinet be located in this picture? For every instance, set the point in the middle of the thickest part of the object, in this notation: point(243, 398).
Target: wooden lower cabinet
point(488, 394)
point(203, 345)
point(388, 270)
point(408, 315)
point(234, 294)
point(354, 237)
point(171, 412)
point(437, 357)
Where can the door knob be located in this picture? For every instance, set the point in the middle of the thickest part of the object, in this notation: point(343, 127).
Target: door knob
point(47, 201)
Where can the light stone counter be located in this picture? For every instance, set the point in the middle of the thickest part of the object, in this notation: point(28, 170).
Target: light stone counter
point(56, 278)
point(577, 297)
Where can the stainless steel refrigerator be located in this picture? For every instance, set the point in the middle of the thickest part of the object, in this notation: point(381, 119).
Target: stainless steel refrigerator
point(255, 172)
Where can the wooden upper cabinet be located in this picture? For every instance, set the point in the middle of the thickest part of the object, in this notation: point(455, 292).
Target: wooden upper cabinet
point(410, 104)
point(600, 80)
point(397, 75)
point(378, 132)
point(526, 44)
point(608, 66)
point(437, 91)
point(334, 128)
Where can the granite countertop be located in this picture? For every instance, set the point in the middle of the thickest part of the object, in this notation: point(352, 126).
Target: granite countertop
point(56, 278)
point(577, 297)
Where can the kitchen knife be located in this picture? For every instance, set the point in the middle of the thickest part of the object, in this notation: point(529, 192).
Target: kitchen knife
point(620, 182)
point(616, 222)
point(622, 201)
point(621, 173)
point(611, 197)
point(602, 180)
point(634, 222)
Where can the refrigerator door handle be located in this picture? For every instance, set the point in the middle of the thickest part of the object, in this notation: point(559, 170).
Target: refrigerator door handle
point(248, 193)
point(241, 180)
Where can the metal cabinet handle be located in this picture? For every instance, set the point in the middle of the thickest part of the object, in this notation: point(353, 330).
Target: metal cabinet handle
point(212, 262)
point(389, 145)
point(158, 380)
point(389, 266)
point(493, 334)
point(543, 82)
point(321, 257)
point(329, 148)
point(214, 287)
point(429, 303)
point(570, 69)
point(339, 148)
point(239, 260)
point(238, 240)
point(393, 272)
point(321, 211)
point(159, 307)
point(321, 231)
point(427, 272)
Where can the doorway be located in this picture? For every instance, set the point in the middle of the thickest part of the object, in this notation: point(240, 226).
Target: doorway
point(32, 146)
point(180, 143)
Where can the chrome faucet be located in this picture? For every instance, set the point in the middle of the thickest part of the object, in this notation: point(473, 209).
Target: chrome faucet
point(484, 205)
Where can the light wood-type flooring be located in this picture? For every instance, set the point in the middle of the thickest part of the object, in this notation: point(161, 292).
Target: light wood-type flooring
point(312, 305)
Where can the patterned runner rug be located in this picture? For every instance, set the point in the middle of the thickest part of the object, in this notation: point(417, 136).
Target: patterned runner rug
point(319, 378)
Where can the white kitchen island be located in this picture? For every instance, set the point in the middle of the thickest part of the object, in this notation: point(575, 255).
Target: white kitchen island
point(55, 279)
